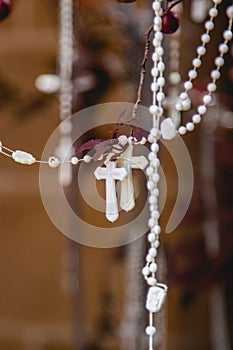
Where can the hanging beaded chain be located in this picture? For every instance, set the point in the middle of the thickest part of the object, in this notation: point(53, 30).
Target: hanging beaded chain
point(167, 130)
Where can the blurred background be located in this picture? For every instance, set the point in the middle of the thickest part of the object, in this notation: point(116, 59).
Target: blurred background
point(56, 294)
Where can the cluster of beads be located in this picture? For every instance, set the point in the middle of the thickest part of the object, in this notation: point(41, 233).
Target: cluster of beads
point(215, 74)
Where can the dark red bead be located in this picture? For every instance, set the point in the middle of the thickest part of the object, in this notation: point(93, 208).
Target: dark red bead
point(170, 22)
point(5, 9)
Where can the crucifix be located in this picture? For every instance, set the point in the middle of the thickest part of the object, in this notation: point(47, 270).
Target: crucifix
point(111, 173)
point(129, 162)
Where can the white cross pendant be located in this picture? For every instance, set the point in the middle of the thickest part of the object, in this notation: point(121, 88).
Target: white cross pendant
point(129, 162)
point(110, 174)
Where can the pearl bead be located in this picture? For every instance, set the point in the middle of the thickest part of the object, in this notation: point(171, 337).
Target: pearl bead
point(192, 74)
point(153, 109)
point(219, 61)
point(211, 87)
point(161, 81)
point(53, 162)
point(205, 38)
point(209, 25)
point(159, 36)
point(223, 48)
point(182, 130)
point(151, 156)
point(178, 106)
point(154, 72)
point(158, 20)
point(196, 62)
point(87, 158)
point(157, 229)
point(154, 87)
point(155, 57)
point(156, 177)
point(227, 35)
point(229, 11)
point(150, 185)
point(146, 271)
point(155, 147)
point(153, 267)
point(151, 281)
point(188, 85)
point(155, 214)
point(151, 222)
point(174, 78)
point(196, 119)
point(156, 192)
point(217, 1)
point(74, 160)
point(183, 95)
point(152, 200)
point(149, 258)
point(215, 74)
point(213, 12)
point(149, 171)
point(159, 51)
point(190, 126)
point(151, 138)
point(201, 50)
point(156, 163)
point(160, 96)
point(202, 109)
point(156, 244)
point(150, 330)
point(156, 5)
point(151, 237)
point(48, 83)
point(153, 252)
point(154, 132)
point(207, 99)
point(161, 66)
point(186, 105)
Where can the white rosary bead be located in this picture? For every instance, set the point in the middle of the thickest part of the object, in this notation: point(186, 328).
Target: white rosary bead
point(156, 244)
point(87, 158)
point(202, 109)
point(227, 35)
point(74, 160)
point(156, 6)
point(159, 51)
point(215, 74)
point(188, 85)
point(207, 99)
point(213, 12)
point(155, 132)
point(157, 229)
point(156, 192)
point(179, 106)
point(223, 48)
point(196, 119)
point(155, 147)
point(159, 35)
point(150, 330)
point(149, 171)
point(160, 96)
point(151, 237)
point(154, 87)
point(158, 20)
point(152, 200)
point(53, 162)
point(151, 281)
point(161, 66)
point(153, 252)
point(209, 25)
point(146, 271)
point(151, 156)
point(182, 130)
point(155, 57)
point(201, 50)
point(186, 105)
point(229, 11)
point(151, 222)
point(211, 87)
point(190, 126)
point(161, 81)
point(150, 185)
point(197, 62)
point(192, 74)
point(155, 162)
point(155, 214)
point(123, 140)
point(205, 38)
point(217, 2)
point(154, 109)
point(151, 138)
point(154, 72)
point(153, 267)
point(156, 177)
point(219, 61)
point(183, 96)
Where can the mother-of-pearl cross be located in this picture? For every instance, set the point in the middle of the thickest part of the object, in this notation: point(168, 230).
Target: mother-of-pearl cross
point(129, 162)
point(111, 174)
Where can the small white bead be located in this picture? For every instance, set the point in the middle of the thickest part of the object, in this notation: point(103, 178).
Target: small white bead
point(201, 50)
point(160, 96)
point(174, 78)
point(202, 109)
point(161, 66)
point(213, 12)
point(227, 35)
point(53, 162)
point(186, 105)
point(154, 132)
point(190, 126)
point(151, 138)
point(151, 222)
point(183, 95)
point(149, 171)
point(192, 74)
point(155, 163)
point(182, 130)
point(146, 271)
point(159, 36)
point(151, 281)
point(155, 147)
point(178, 106)
point(151, 156)
point(215, 74)
point(154, 87)
point(196, 62)
point(157, 229)
point(153, 200)
point(153, 267)
point(150, 330)
point(188, 85)
point(150, 185)
point(123, 140)
point(196, 119)
point(157, 28)
point(161, 81)
point(209, 25)
point(205, 38)
point(74, 160)
point(211, 87)
point(154, 72)
point(158, 20)
point(156, 244)
point(149, 258)
point(156, 5)
point(217, 1)
point(155, 214)
point(159, 51)
point(155, 57)
point(153, 109)
point(219, 61)
point(207, 99)
point(151, 237)
point(156, 177)
point(153, 252)
point(87, 158)
point(223, 48)
point(229, 11)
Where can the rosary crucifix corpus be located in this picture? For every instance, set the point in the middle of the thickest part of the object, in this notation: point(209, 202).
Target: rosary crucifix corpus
point(120, 161)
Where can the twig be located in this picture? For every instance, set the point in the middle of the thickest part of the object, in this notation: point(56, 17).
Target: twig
point(143, 70)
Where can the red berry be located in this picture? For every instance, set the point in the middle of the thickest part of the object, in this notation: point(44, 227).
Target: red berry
point(170, 22)
point(5, 8)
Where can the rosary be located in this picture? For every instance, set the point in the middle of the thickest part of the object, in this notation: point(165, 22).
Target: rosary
point(120, 161)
